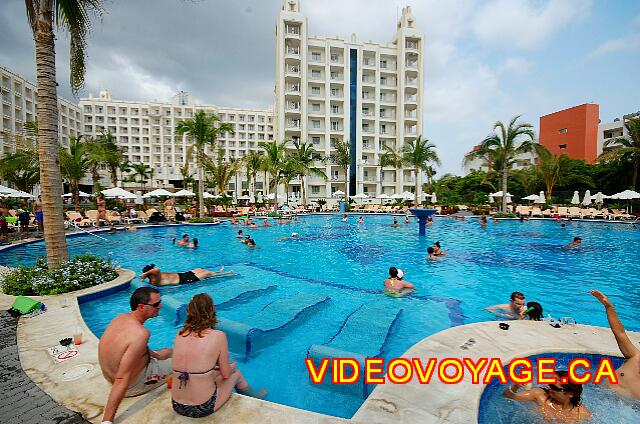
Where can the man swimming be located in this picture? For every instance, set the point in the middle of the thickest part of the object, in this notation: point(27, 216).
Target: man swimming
point(158, 278)
point(360, 220)
point(395, 284)
point(345, 218)
point(512, 310)
point(184, 241)
point(575, 243)
point(395, 223)
point(629, 373)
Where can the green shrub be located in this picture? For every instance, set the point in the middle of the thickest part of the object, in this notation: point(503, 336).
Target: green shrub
point(203, 220)
point(81, 272)
point(274, 215)
point(504, 215)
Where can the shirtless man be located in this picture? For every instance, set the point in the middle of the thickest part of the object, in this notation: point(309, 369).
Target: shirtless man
point(629, 373)
point(158, 278)
point(37, 208)
point(184, 241)
point(575, 243)
point(512, 310)
point(395, 223)
point(125, 358)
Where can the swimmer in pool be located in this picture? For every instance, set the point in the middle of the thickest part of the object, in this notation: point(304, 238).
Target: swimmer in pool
point(395, 284)
point(158, 278)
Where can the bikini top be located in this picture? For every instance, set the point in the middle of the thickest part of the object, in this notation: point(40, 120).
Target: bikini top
point(184, 376)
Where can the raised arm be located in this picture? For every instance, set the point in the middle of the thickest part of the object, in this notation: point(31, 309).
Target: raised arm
point(532, 395)
point(123, 377)
point(624, 343)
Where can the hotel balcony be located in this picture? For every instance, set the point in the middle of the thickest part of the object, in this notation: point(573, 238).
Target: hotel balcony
point(411, 99)
point(412, 64)
point(292, 52)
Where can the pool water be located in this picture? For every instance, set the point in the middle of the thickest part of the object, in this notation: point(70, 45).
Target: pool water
point(605, 406)
point(347, 262)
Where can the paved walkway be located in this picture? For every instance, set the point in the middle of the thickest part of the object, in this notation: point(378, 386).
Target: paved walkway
point(21, 401)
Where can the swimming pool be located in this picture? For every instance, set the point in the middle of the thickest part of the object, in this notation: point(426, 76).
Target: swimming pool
point(605, 406)
point(346, 262)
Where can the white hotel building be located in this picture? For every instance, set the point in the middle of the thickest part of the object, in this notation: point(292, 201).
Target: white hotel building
point(329, 88)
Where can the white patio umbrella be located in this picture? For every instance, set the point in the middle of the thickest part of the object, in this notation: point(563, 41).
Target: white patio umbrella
point(158, 192)
point(80, 193)
point(183, 193)
point(626, 195)
point(259, 198)
point(499, 194)
point(397, 196)
point(587, 198)
point(5, 190)
point(360, 196)
point(407, 195)
point(270, 196)
point(383, 196)
point(531, 197)
point(118, 193)
point(541, 198)
point(11, 192)
point(434, 199)
point(208, 195)
point(598, 198)
point(575, 200)
point(245, 197)
point(338, 193)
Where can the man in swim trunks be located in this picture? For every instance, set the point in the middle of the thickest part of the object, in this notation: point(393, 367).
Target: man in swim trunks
point(158, 278)
point(512, 310)
point(125, 358)
point(629, 373)
point(37, 209)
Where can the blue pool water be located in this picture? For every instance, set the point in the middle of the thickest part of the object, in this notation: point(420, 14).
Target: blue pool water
point(605, 406)
point(347, 262)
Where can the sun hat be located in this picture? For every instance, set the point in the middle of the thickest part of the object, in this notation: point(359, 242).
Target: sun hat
point(400, 273)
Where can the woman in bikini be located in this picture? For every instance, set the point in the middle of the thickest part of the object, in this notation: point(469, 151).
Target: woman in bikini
point(559, 403)
point(396, 285)
point(203, 377)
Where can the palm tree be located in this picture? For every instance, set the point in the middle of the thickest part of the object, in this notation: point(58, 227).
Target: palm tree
point(73, 16)
point(303, 160)
point(202, 130)
point(221, 172)
point(417, 154)
point(554, 169)
point(22, 168)
point(95, 154)
point(74, 165)
point(143, 171)
point(341, 156)
point(112, 155)
point(288, 171)
point(185, 168)
point(274, 162)
point(254, 163)
point(503, 147)
point(626, 148)
point(124, 167)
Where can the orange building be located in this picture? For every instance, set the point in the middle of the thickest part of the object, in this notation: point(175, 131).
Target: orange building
point(572, 131)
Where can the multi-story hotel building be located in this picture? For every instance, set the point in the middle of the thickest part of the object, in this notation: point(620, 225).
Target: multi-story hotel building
point(367, 93)
point(19, 99)
point(146, 133)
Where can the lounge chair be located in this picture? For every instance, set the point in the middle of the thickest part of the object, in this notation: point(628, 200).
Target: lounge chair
point(574, 212)
point(616, 214)
point(536, 211)
point(92, 215)
point(77, 219)
point(547, 213)
point(114, 216)
point(563, 211)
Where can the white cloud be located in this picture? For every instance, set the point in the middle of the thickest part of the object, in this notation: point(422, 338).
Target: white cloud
point(516, 65)
point(619, 44)
point(525, 24)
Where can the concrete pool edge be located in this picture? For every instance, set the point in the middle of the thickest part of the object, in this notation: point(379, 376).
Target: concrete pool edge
point(459, 403)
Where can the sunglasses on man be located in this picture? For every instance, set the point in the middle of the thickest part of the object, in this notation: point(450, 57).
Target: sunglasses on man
point(155, 305)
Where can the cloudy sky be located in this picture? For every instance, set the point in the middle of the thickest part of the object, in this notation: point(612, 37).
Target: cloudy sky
point(485, 60)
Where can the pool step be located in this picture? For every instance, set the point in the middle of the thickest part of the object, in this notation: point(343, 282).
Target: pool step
point(363, 334)
point(223, 297)
point(248, 337)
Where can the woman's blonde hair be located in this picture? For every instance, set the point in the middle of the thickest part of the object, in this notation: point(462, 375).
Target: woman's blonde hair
point(201, 315)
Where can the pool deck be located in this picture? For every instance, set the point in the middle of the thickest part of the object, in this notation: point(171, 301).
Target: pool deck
point(390, 403)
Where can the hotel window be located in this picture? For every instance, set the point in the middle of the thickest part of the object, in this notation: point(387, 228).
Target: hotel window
point(564, 131)
point(335, 109)
point(315, 91)
point(335, 126)
point(315, 56)
point(315, 123)
point(335, 92)
point(315, 107)
point(334, 57)
point(315, 140)
point(315, 189)
point(316, 74)
point(563, 146)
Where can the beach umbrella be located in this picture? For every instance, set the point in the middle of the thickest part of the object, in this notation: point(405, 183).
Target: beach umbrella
point(270, 196)
point(587, 198)
point(208, 195)
point(531, 197)
point(598, 198)
point(259, 198)
point(10, 192)
point(158, 192)
point(626, 195)
point(397, 196)
point(118, 193)
point(338, 193)
point(245, 197)
point(183, 193)
point(541, 198)
point(360, 196)
point(575, 200)
point(383, 196)
point(407, 195)
point(434, 199)
point(5, 190)
point(80, 193)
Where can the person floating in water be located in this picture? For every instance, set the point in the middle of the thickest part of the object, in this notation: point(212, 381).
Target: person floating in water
point(512, 310)
point(557, 403)
point(577, 241)
point(395, 223)
point(184, 241)
point(239, 235)
point(431, 254)
point(360, 220)
point(396, 285)
point(629, 373)
point(345, 217)
point(407, 220)
point(158, 278)
point(265, 223)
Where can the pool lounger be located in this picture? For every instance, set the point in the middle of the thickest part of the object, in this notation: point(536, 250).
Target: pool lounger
point(248, 337)
point(221, 296)
point(363, 334)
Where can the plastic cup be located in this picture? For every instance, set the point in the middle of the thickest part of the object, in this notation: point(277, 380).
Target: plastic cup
point(77, 336)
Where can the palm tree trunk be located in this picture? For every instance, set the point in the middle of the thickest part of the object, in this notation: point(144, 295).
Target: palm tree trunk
point(114, 176)
point(504, 190)
point(636, 165)
point(200, 183)
point(95, 178)
point(76, 195)
point(48, 145)
point(346, 186)
point(304, 192)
